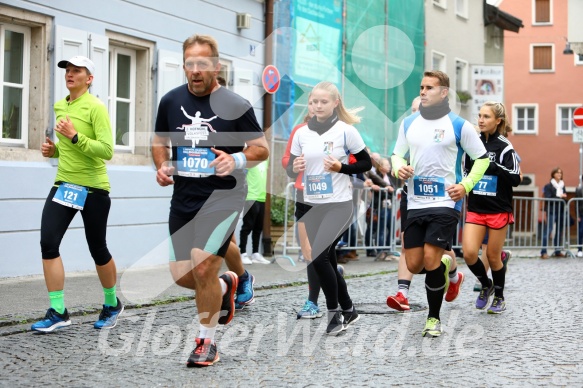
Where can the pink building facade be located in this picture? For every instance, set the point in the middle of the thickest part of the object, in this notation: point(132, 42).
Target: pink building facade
point(542, 88)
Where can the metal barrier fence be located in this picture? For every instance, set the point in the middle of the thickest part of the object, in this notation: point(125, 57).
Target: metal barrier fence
point(575, 209)
point(539, 223)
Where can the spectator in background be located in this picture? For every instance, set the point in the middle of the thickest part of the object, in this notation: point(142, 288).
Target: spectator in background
point(375, 158)
point(221, 81)
point(234, 260)
point(254, 212)
point(371, 217)
point(382, 192)
point(415, 104)
point(555, 213)
point(350, 235)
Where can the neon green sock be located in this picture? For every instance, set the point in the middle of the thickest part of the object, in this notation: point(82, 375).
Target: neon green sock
point(57, 299)
point(110, 296)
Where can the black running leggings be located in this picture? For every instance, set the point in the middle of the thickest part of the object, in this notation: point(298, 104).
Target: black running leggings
point(325, 224)
point(56, 219)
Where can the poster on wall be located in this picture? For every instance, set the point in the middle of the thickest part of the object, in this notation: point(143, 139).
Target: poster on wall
point(487, 85)
point(317, 52)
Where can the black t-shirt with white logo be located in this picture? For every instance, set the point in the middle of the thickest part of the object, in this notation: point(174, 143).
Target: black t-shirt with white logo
point(222, 120)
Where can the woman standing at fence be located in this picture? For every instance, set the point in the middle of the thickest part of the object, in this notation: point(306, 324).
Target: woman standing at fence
point(320, 151)
point(490, 205)
point(555, 210)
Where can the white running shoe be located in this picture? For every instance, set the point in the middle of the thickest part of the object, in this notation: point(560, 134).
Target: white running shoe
point(259, 259)
point(245, 259)
point(579, 254)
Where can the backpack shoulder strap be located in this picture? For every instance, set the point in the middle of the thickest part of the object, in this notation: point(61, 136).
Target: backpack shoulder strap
point(408, 120)
point(458, 124)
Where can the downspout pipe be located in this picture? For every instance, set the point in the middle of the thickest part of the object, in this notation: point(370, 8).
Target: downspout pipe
point(267, 123)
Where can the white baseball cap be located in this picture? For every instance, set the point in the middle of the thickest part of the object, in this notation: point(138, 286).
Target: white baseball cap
point(79, 61)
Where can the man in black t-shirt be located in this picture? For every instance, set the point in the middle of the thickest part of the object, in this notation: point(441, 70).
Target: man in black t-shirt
point(214, 136)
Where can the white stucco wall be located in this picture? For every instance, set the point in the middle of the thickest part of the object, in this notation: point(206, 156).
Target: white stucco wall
point(139, 213)
point(456, 37)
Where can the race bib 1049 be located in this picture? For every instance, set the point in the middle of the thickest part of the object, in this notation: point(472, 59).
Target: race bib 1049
point(318, 186)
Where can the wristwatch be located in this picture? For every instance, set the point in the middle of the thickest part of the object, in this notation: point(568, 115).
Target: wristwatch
point(75, 139)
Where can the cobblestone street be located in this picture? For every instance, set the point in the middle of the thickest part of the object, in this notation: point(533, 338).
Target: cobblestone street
point(536, 342)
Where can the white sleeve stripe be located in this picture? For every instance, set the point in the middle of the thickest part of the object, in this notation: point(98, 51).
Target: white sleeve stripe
point(508, 148)
point(515, 170)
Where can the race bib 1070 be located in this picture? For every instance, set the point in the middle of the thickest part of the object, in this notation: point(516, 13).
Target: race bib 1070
point(194, 162)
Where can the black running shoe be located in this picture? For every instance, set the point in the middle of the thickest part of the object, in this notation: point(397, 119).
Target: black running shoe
point(335, 323)
point(350, 316)
point(228, 306)
point(204, 354)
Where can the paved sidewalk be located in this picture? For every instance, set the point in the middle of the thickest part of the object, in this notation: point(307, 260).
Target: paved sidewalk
point(27, 299)
point(535, 343)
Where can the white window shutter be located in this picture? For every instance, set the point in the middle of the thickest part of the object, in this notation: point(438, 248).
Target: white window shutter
point(71, 42)
point(170, 72)
point(99, 54)
point(68, 43)
point(243, 83)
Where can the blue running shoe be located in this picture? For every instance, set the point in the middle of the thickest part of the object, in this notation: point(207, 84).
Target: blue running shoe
point(108, 317)
point(484, 297)
point(498, 306)
point(310, 311)
point(53, 320)
point(245, 293)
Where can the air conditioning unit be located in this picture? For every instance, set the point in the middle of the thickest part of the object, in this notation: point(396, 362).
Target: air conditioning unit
point(243, 21)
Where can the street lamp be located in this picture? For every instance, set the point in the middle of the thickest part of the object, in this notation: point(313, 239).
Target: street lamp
point(568, 50)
